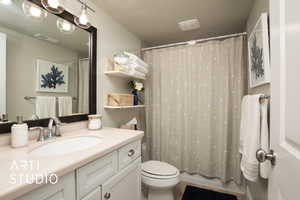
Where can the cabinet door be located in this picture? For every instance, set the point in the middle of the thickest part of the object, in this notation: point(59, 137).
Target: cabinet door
point(129, 153)
point(125, 185)
point(95, 173)
point(64, 189)
point(94, 195)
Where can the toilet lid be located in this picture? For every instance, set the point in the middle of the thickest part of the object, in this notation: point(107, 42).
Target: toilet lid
point(159, 168)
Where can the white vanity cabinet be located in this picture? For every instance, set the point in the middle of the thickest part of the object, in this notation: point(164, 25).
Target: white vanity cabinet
point(95, 173)
point(115, 176)
point(64, 189)
point(118, 175)
point(125, 185)
point(94, 195)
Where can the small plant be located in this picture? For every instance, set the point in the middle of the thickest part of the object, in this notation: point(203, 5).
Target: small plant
point(53, 78)
point(136, 88)
point(135, 85)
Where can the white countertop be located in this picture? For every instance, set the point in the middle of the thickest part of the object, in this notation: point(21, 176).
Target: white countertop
point(112, 139)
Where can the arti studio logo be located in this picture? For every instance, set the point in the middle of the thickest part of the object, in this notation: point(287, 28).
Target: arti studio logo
point(28, 172)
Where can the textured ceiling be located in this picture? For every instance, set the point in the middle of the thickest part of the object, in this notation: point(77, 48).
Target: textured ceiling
point(155, 21)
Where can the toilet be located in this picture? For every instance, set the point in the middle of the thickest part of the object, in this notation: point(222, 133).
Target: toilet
point(160, 178)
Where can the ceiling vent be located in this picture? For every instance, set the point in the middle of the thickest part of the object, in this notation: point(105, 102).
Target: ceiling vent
point(189, 25)
point(45, 37)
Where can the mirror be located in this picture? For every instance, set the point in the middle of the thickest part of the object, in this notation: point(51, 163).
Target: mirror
point(44, 64)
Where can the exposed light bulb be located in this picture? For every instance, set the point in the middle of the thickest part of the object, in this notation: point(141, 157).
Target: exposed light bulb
point(53, 6)
point(83, 19)
point(53, 3)
point(35, 11)
point(6, 2)
point(66, 26)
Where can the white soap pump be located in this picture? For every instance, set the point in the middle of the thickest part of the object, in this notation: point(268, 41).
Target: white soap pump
point(19, 133)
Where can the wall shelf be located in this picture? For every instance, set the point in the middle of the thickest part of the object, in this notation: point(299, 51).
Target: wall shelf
point(124, 107)
point(123, 75)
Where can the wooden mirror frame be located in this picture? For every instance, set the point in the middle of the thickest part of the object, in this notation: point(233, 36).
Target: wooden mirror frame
point(6, 127)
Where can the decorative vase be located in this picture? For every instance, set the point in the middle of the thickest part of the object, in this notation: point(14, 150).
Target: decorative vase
point(135, 97)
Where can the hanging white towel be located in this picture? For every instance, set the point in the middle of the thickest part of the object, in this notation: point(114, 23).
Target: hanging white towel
point(250, 136)
point(45, 107)
point(265, 167)
point(64, 106)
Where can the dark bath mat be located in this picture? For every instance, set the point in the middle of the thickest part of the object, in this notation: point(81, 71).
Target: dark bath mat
point(194, 193)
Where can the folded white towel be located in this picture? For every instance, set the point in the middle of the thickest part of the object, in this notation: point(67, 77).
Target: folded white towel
point(45, 107)
point(250, 136)
point(265, 167)
point(134, 58)
point(139, 68)
point(136, 73)
point(64, 106)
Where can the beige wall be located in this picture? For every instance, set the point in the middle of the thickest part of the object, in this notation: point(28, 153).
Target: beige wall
point(112, 38)
point(259, 190)
point(22, 53)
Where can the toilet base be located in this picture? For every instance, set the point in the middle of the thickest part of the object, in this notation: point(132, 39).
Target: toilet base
point(157, 194)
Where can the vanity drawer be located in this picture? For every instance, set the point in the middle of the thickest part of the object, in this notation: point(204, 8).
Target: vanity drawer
point(129, 153)
point(95, 173)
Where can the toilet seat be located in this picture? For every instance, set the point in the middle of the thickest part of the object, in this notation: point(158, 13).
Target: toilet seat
point(159, 170)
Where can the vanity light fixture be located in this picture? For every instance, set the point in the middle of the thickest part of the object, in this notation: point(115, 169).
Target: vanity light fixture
point(6, 2)
point(53, 6)
point(64, 26)
point(33, 11)
point(83, 20)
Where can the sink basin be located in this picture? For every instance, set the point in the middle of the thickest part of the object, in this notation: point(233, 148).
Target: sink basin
point(65, 146)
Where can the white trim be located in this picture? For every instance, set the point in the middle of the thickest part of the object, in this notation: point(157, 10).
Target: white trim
point(197, 41)
point(2, 73)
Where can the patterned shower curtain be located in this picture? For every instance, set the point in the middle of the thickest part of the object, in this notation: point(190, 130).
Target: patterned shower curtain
point(193, 97)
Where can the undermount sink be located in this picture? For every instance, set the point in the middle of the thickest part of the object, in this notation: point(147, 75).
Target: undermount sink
point(65, 146)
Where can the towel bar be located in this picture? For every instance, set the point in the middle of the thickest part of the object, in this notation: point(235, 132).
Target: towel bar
point(32, 98)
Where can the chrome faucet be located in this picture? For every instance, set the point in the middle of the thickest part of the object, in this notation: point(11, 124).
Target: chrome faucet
point(50, 132)
point(41, 137)
point(54, 131)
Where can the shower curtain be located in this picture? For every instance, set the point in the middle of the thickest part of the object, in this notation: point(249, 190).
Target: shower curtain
point(193, 97)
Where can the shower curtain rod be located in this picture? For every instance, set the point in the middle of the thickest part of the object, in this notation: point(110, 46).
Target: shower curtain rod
point(195, 41)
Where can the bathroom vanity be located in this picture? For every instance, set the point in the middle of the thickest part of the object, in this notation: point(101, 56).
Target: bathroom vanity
point(107, 170)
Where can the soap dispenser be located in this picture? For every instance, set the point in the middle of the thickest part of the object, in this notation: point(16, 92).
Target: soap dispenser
point(19, 133)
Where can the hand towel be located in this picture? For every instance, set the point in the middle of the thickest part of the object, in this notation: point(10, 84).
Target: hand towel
point(45, 107)
point(64, 106)
point(250, 136)
point(265, 167)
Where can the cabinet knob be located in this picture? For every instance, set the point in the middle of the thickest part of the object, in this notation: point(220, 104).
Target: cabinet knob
point(107, 195)
point(131, 152)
